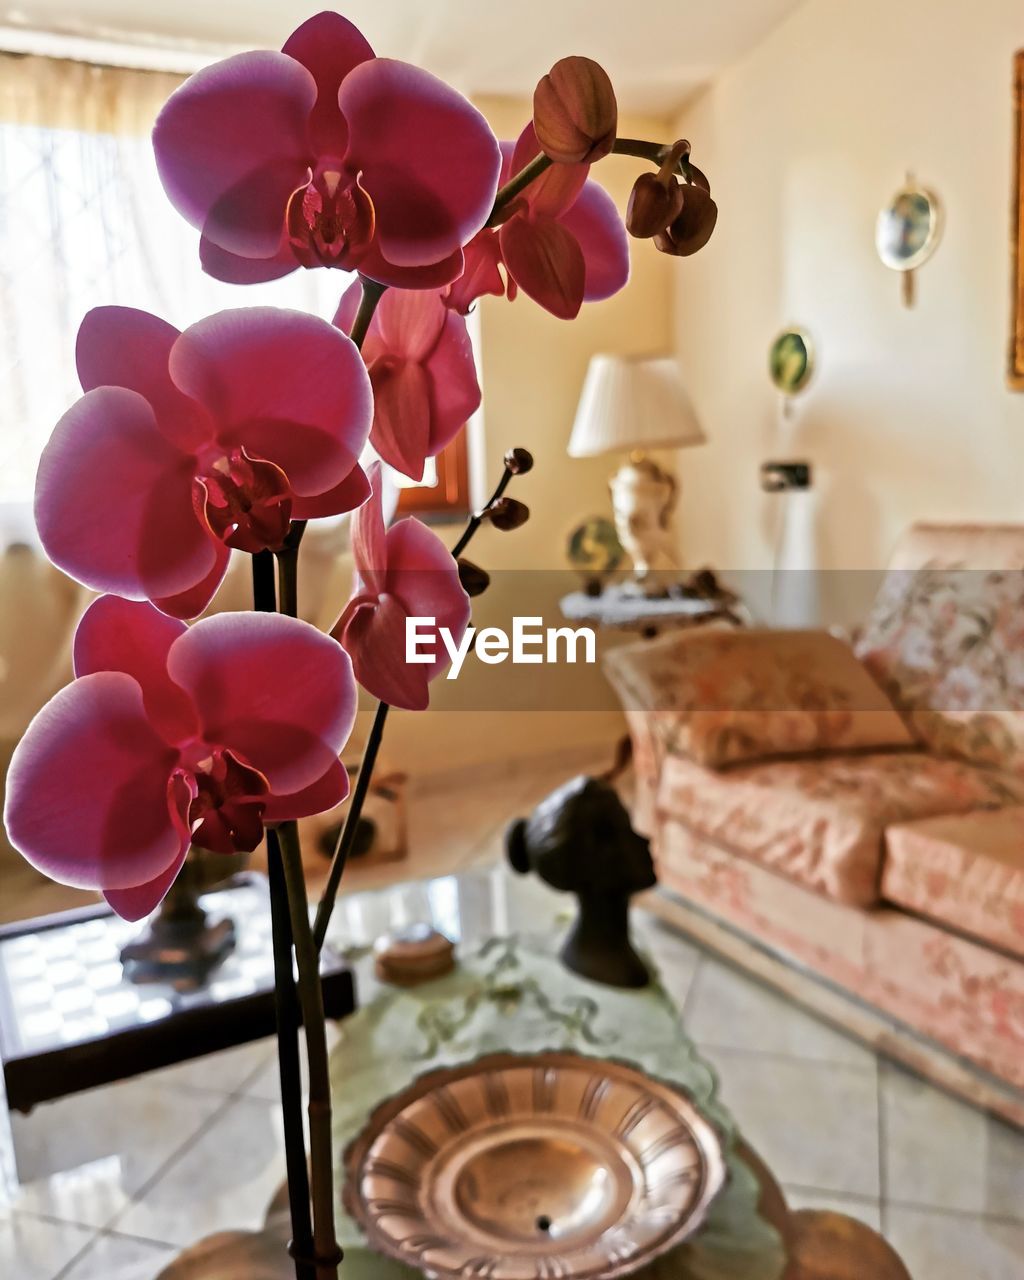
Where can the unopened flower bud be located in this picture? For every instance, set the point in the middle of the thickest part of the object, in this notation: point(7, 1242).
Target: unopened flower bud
point(653, 204)
point(519, 461)
point(475, 580)
point(692, 229)
point(508, 513)
point(575, 114)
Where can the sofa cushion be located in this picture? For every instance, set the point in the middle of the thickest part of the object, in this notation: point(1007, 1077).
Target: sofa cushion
point(947, 643)
point(727, 697)
point(965, 871)
point(822, 822)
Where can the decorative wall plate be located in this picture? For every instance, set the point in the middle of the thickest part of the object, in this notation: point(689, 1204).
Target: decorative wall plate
point(908, 231)
point(791, 360)
point(548, 1166)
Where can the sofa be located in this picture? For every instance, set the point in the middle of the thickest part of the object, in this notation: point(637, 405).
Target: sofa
point(846, 817)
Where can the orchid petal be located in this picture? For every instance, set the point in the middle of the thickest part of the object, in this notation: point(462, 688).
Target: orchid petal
point(424, 577)
point(558, 186)
point(113, 501)
point(122, 635)
point(328, 46)
point(273, 690)
point(351, 493)
point(126, 347)
point(455, 390)
point(287, 387)
point(401, 414)
point(427, 157)
point(87, 788)
point(233, 269)
point(329, 790)
point(243, 116)
point(373, 635)
point(142, 900)
point(369, 545)
point(546, 262)
point(481, 275)
point(433, 276)
point(595, 223)
point(409, 322)
point(191, 603)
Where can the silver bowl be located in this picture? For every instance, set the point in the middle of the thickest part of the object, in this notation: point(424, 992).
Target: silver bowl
point(548, 1166)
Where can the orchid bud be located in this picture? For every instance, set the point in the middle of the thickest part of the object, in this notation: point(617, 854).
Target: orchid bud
point(475, 580)
point(575, 114)
point(519, 461)
point(507, 514)
point(653, 204)
point(698, 178)
point(692, 229)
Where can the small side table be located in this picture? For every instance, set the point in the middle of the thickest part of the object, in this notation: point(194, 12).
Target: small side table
point(621, 610)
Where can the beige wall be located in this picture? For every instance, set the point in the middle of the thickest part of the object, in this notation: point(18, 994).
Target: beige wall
point(804, 139)
point(533, 367)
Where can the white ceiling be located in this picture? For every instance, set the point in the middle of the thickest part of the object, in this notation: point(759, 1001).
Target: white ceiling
point(658, 52)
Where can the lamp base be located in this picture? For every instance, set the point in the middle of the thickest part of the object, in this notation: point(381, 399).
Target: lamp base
point(643, 501)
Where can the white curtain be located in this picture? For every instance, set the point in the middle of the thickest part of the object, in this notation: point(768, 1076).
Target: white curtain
point(83, 222)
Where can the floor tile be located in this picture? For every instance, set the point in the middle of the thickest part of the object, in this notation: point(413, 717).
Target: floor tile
point(31, 1249)
point(863, 1208)
point(731, 1010)
point(266, 1082)
point(943, 1153)
point(676, 958)
point(114, 1257)
point(814, 1123)
point(223, 1072)
point(224, 1180)
point(82, 1158)
point(947, 1246)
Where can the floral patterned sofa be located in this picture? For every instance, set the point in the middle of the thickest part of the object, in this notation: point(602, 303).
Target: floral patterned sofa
point(890, 866)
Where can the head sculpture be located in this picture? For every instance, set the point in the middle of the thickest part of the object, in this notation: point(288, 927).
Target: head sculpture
point(579, 840)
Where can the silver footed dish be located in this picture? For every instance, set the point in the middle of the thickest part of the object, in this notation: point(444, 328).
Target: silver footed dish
point(545, 1166)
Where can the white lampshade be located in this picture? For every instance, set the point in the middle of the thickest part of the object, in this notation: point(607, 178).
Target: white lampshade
point(633, 404)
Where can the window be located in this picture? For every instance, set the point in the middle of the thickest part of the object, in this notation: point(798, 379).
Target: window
point(83, 222)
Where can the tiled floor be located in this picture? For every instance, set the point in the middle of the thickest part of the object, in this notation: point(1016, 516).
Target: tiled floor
point(117, 1180)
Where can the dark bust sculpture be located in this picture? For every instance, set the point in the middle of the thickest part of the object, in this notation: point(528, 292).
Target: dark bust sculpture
point(579, 839)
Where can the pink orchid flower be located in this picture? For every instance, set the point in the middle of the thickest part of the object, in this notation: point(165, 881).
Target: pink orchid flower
point(188, 444)
point(402, 572)
point(562, 241)
point(420, 359)
point(175, 735)
point(325, 155)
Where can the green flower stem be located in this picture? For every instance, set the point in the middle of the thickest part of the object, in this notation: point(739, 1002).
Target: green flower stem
point(325, 1242)
point(347, 835)
point(286, 1001)
point(516, 184)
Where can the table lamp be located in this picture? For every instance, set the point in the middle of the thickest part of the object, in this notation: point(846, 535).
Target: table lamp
point(632, 404)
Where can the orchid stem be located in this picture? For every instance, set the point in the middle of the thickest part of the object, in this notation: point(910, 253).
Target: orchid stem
point(372, 293)
point(328, 1254)
point(519, 182)
point(655, 152)
point(286, 1003)
point(347, 835)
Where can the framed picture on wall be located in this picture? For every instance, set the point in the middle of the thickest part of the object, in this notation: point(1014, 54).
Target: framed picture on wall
point(1015, 372)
